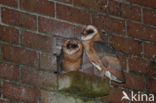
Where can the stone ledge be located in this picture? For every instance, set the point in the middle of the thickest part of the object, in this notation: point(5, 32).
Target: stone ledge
point(83, 85)
point(53, 97)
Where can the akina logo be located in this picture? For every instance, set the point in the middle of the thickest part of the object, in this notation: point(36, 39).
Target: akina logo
point(138, 97)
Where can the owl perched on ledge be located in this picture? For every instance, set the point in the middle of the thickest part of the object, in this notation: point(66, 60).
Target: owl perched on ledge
point(100, 55)
point(72, 55)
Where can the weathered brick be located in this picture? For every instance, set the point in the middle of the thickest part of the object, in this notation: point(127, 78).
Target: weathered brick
point(66, 1)
point(1, 86)
point(9, 2)
point(149, 16)
point(18, 18)
point(40, 6)
point(39, 78)
point(108, 23)
point(3, 101)
point(78, 30)
point(152, 69)
point(98, 5)
point(48, 62)
point(124, 10)
point(150, 51)
point(138, 65)
point(126, 45)
point(55, 27)
point(122, 59)
point(21, 93)
point(151, 85)
point(141, 31)
point(115, 96)
point(9, 71)
point(8, 34)
point(133, 82)
point(72, 14)
point(19, 55)
point(150, 3)
point(104, 36)
point(36, 41)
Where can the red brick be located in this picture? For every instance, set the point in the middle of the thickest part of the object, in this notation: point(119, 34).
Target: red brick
point(152, 69)
point(1, 87)
point(18, 18)
point(55, 27)
point(150, 51)
point(124, 10)
point(66, 1)
point(3, 101)
point(19, 55)
point(122, 59)
point(141, 31)
point(133, 82)
point(98, 5)
point(48, 62)
point(107, 23)
point(104, 36)
point(126, 45)
point(39, 78)
point(9, 2)
point(149, 16)
point(9, 71)
point(40, 6)
point(138, 65)
point(115, 96)
point(72, 14)
point(8, 34)
point(78, 30)
point(21, 93)
point(150, 3)
point(151, 83)
point(36, 41)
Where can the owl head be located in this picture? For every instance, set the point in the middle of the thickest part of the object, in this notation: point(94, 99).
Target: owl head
point(90, 32)
point(71, 47)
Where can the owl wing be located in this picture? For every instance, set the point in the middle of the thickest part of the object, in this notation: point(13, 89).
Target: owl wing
point(109, 59)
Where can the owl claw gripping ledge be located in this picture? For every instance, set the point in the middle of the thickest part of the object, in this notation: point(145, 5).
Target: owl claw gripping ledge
point(104, 58)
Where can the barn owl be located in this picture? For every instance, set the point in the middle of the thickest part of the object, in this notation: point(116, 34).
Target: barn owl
point(72, 55)
point(101, 55)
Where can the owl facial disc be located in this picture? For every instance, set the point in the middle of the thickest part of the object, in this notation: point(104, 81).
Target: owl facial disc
point(89, 32)
point(71, 46)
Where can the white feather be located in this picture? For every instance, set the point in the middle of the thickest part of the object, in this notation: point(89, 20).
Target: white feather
point(112, 77)
point(98, 67)
point(87, 37)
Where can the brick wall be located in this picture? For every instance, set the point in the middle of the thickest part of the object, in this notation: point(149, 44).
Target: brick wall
point(26, 27)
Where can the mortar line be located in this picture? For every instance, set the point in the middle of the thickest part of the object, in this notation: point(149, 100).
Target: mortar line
point(142, 16)
point(143, 49)
point(0, 14)
point(55, 10)
point(37, 31)
point(19, 6)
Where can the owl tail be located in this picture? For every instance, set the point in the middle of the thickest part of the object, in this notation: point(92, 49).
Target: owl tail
point(112, 77)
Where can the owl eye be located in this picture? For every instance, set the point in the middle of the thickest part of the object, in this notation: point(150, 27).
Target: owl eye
point(90, 31)
point(68, 46)
point(74, 46)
